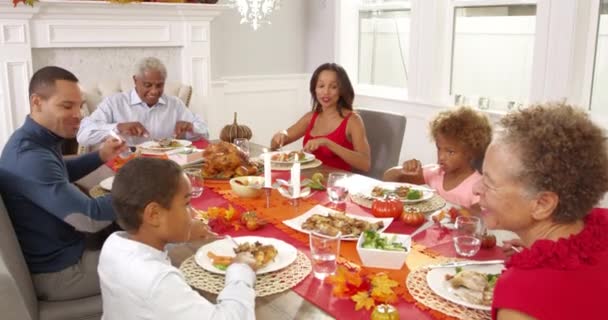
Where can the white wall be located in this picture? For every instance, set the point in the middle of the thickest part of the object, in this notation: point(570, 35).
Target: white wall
point(278, 48)
point(320, 33)
point(92, 64)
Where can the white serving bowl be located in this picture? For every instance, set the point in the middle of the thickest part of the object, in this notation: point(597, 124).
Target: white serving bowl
point(387, 259)
point(247, 191)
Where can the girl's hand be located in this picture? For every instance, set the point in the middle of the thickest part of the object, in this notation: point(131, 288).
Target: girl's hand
point(412, 168)
point(314, 144)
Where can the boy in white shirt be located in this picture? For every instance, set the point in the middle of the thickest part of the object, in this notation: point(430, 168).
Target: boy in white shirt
point(151, 198)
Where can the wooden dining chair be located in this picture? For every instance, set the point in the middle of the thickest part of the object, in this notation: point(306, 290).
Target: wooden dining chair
point(385, 132)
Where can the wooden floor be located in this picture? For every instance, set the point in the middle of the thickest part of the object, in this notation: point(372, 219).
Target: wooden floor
point(285, 305)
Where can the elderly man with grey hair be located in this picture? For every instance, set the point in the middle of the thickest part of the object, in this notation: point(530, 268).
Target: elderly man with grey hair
point(143, 113)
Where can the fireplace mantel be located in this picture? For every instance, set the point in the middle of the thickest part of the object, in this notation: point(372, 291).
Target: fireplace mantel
point(99, 24)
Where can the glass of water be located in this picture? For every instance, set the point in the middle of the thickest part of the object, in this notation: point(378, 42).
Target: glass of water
point(196, 181)
point(325, 250)
point(242, 144)
point(467, 235)
point(337, 189)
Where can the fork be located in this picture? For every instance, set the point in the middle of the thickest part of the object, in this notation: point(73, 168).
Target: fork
point(231, 239)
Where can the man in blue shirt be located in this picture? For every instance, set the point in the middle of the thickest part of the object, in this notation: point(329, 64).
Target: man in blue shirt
point(50, 215)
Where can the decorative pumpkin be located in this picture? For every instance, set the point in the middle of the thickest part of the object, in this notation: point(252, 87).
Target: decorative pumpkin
point(388, 207)
point(385, 312)
point(488, 241)
point(413, 217)
point(252, 221)
point(234, 131)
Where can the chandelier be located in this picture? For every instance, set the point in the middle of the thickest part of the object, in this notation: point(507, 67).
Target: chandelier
point(255, 12)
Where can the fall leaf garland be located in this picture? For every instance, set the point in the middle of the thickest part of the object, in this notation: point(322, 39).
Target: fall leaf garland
point(366, 290)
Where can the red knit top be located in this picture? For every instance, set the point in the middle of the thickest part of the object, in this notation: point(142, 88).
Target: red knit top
point(564, 279)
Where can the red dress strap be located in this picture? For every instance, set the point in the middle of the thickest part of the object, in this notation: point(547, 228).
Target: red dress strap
point(338, 136)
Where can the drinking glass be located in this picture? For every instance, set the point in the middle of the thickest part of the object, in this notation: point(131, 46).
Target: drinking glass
point(324, 250)
point(196, 181)
point(337, 189)
point(467, 235)
point(242, 144)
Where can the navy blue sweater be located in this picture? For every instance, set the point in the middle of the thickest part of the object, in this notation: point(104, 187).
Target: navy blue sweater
point(50, 215)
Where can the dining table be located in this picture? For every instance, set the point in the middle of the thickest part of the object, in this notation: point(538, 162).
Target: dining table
point(312, 298)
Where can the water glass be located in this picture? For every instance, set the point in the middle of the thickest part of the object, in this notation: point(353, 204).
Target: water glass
point(467, 235)
point(337, 188)
point(242, 144)
point(196, 181)
point(324, 249)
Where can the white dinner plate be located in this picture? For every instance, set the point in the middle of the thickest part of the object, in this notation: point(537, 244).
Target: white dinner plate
point(426, 194)
point(153, 145)
point(435, 279)
point(107, 183)
point(296, 223)
point(446, 222)
point(308, 157)
point(286, 253)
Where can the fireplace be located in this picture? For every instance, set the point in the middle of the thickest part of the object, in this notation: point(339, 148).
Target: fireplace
point(97, 39)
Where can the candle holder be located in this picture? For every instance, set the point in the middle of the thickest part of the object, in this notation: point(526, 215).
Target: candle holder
point(267, 191)
point(287, 192)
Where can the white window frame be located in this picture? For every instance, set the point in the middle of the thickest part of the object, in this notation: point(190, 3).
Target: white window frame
point(350, 44)
point(563, 58)
point(449, 54)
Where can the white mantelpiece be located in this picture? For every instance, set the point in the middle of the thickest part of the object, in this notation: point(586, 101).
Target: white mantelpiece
point(99, 24)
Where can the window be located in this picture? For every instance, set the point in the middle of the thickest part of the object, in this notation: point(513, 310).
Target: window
point(492, 55)
point(599, 95)
point(384, 32)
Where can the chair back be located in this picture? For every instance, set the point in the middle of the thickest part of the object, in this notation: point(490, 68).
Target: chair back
point(95, 92)
point(17, 297)
point(385, 132)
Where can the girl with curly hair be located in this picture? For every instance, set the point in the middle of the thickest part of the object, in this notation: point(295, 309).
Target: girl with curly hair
point(461, 136)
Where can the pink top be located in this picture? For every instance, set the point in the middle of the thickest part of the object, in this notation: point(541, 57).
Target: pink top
point(462, 195)
point(338, 136)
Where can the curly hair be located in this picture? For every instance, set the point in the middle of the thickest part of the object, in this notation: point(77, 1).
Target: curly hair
point(561, 151)
point(469, 127)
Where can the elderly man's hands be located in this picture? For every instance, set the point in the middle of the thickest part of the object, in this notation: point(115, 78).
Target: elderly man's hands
point(135, 129)
point(181, 128)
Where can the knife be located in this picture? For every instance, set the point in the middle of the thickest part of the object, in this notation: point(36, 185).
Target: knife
point(464, 263)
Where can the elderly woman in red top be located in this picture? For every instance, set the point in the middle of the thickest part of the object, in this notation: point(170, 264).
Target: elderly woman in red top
point(541, 178)
point(332, 131)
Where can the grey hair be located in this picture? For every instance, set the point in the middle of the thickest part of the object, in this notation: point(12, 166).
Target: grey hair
point(150, 64)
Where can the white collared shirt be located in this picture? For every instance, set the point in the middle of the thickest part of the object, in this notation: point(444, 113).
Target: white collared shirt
point(139, 282)
point(159, 119)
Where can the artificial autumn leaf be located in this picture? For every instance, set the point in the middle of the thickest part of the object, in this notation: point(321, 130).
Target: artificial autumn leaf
point(382, 288)
point(363, 300)
point(344, 282)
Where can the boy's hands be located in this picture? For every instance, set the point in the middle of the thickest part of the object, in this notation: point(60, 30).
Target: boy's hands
point(201, 231)
point(246, 258)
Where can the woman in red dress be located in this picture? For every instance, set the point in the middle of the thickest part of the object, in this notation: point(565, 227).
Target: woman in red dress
point(332, 131)
point(541, 178)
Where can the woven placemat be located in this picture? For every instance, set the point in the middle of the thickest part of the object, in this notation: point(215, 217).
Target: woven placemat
point(419, 289)
point(266, 284)
point(97, 191)
point(433, 204)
